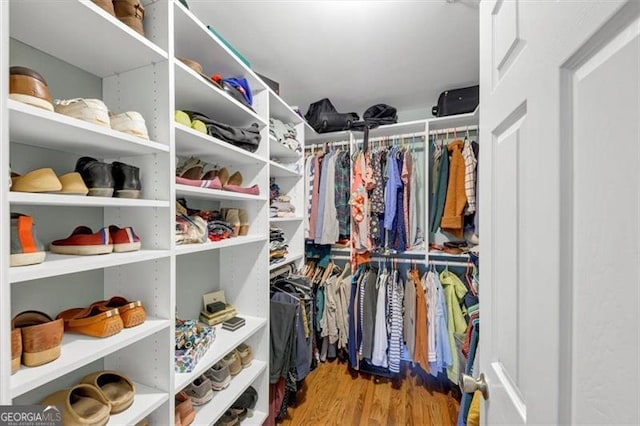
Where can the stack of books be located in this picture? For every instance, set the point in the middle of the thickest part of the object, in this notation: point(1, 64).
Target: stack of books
point(232, 324)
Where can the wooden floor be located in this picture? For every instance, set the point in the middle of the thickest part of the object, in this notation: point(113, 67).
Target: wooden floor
point(331, 396)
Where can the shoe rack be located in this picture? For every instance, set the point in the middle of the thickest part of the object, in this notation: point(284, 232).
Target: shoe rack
point(82, 51)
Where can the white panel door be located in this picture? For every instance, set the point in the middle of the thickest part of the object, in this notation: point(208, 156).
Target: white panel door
point(560, 114)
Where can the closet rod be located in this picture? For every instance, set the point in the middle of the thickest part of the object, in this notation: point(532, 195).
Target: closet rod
point(420, 261)
point(391, 137)
point(461, 129)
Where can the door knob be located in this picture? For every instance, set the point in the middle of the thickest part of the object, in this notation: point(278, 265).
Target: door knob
point(469, 384)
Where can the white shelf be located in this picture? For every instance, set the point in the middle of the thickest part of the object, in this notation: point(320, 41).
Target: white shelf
point(82, 34)
point(191, 142)
point(278, 170)
point(31, 199)
point(193, 93)
point(58, 264)
point(79, 350)
point(406, 128)
point(278, 150)
point(230, 242)
point(146, 400)
point(224, 342)
point(289, 259)
point(280, 110)
point(209, 413)
point(286, 219)
point(258, 419)
point(443, 254)
point(215, 194)
point(34, 126)
point(453, 121)
point(319, 138)
point(194, 40)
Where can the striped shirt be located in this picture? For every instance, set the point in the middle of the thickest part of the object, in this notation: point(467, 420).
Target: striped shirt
point(469, 176)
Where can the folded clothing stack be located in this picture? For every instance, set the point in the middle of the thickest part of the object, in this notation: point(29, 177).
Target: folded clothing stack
point(277, 245)
point(282, 207)
point(200, 226)
point(285, 134)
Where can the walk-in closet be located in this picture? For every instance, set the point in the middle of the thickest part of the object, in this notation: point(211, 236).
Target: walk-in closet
point(268, 212)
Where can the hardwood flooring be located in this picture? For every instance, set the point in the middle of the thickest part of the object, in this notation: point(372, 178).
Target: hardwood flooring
point(331, 395)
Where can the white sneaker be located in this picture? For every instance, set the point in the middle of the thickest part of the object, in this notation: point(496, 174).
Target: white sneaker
point(90, 110)
point(131, 122)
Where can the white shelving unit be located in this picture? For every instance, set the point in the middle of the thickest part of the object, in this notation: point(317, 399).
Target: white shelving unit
point(288, 176)
point(136, 73)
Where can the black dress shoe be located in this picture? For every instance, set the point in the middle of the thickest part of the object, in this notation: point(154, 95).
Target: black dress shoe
point(127, 180)
point(97, 176)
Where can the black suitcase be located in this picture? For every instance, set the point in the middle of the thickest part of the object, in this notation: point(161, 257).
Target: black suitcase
point(323, 117)
point(457, 101)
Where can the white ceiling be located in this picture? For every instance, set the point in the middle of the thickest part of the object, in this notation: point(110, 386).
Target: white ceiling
point(357, 53)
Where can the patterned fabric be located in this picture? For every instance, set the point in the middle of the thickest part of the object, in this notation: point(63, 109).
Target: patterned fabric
point(469, 177)
point(343, 168)
point(361, 292)
point(395, 340)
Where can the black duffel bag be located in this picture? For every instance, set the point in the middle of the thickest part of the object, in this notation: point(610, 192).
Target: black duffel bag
point(247, 138)
point(324, 117)
point(457, 101)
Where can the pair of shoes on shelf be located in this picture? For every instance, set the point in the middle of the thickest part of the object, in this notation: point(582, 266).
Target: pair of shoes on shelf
point(45, 181)
point(240, 409)
point(183, 118)
point(105, 180)
point(185, 414)
point(195, 172)
point(220, 374)
point(104, 318)
point(95, 111)
point(36, 339)
point(98, 395)
point(200, 391)
point(84, 242)
point(26, 248)
point(130, 12)
point(238, 219)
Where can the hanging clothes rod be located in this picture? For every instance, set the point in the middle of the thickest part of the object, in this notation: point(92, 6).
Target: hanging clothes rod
point(392, 137)
point(461, 129)
point(410, 261)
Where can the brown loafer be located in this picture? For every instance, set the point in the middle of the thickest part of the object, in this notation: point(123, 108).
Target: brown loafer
point(132, 313)
point(92, 321)
point(29, 87)
point(41, 337)
point(16, 349)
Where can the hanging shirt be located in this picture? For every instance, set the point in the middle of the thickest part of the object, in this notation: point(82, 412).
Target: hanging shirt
point(391, 190)
point(308, 190)
point(440, 196)
point(410, 315)
point(330, 226)
point(454, 291)
point(432, 304)
point(469, 177)
point(315, 187)
point(323, 195)
point(380, 342)
point(342, 170)
point(421, 352)
point(452, 218)
point(407, 165)
point(444, 357)
point(395, 339)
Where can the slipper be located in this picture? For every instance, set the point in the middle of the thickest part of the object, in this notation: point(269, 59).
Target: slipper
point(211, 184)
point(81, 405)
point(115, 388)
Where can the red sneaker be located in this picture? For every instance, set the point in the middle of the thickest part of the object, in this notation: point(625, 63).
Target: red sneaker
point(84, 242)
point(124, 239)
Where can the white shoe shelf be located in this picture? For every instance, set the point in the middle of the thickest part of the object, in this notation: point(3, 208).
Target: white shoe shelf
point(83, 52)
